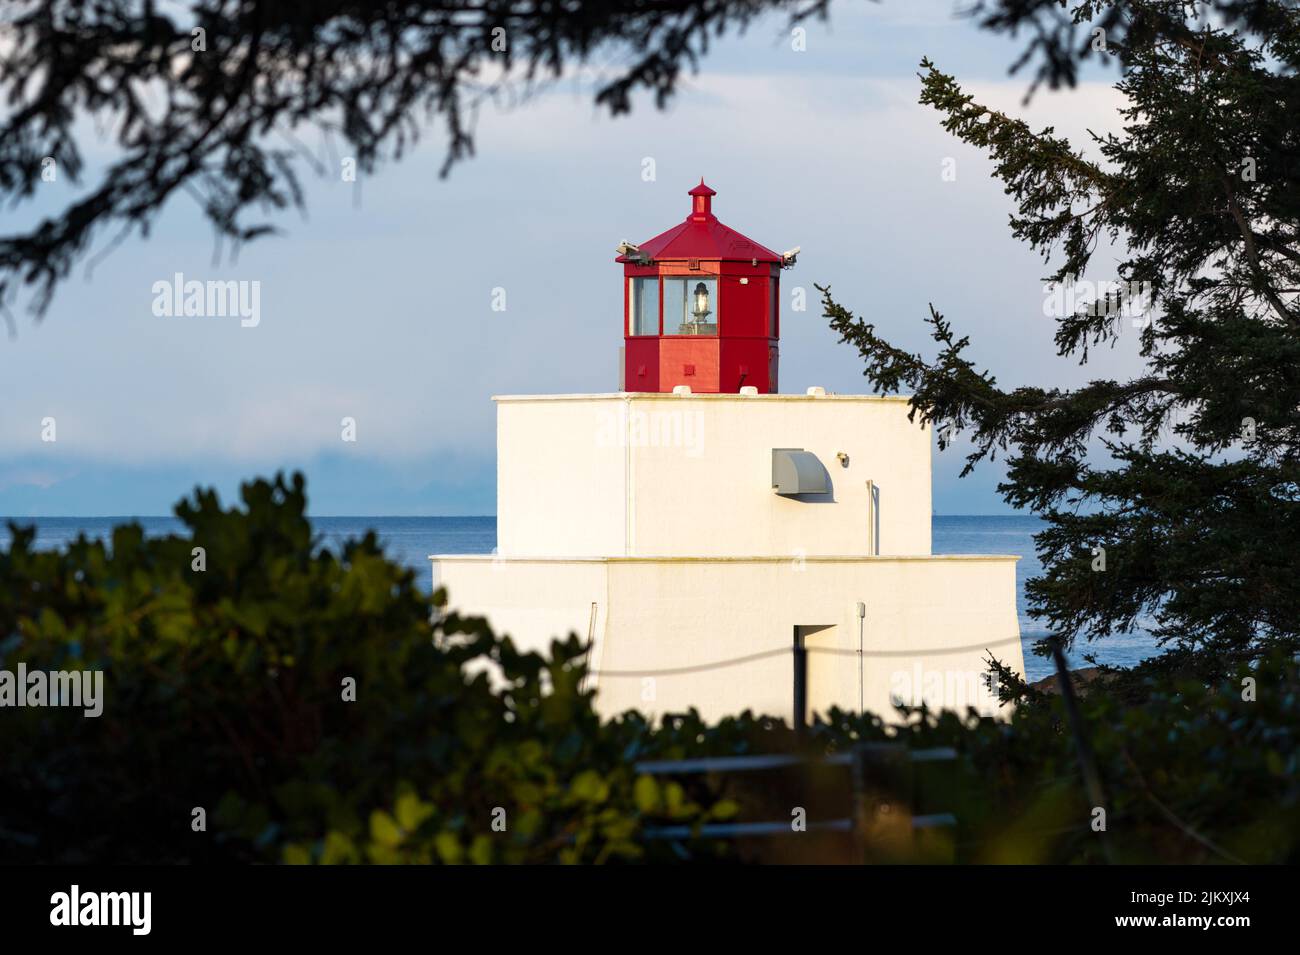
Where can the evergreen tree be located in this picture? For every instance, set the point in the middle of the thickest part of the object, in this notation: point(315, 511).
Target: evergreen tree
point(1188, 474)
point(212, 98)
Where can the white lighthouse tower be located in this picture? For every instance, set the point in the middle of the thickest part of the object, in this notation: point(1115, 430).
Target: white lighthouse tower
point(708, 535)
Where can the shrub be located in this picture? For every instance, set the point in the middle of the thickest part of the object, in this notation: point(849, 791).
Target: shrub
point(226, 690)
point(320, 707)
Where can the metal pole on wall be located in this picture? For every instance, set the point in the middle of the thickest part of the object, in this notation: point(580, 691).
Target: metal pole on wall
point(800, 685)
point(862, 623)
point(873, 524)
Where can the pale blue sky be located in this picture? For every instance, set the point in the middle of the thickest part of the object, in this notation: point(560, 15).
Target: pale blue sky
point(382, 310)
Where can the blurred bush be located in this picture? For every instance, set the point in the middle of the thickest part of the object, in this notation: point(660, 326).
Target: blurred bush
point(320, 707)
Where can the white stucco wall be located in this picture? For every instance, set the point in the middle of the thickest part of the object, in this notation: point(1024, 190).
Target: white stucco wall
point(715, 633)
point(671, 475)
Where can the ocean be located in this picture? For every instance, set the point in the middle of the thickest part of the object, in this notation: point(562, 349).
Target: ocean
point(411, 539)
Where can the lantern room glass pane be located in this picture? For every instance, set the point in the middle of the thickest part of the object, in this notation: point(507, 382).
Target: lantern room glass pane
point(690, 305)
point(644, 298)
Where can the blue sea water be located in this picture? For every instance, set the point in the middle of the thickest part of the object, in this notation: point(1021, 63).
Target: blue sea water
point(411, 539)
point(1014, 534)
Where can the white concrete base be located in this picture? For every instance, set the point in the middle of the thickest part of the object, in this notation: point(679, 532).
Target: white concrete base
point(653, 475)
point(649, 525)
point(716, 633)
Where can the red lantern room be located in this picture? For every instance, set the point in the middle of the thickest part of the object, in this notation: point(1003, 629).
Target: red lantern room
point(701, 307)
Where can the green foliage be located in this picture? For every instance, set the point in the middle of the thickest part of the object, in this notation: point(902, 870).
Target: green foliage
point(1188, 474)
point(1191, 772)
point(224, 689)
point(1060, 40)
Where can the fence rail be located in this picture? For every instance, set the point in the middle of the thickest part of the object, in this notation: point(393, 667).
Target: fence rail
point(881, 791)
point(739, 764)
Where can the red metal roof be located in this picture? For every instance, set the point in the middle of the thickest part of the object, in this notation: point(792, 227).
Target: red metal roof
point(702, 236)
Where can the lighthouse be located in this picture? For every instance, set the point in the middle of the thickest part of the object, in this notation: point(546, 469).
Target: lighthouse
point(701, 307)
point(721, 545)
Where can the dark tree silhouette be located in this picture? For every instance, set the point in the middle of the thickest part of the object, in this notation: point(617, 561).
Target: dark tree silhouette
point(1062, 35)
point(1188, 475)
point(207, 97)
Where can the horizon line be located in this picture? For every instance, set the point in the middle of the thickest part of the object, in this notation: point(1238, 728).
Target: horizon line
point(151, 517)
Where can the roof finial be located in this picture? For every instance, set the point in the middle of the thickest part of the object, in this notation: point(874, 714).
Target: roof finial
point(701, 202)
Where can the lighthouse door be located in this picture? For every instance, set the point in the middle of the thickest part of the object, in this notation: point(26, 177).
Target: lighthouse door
point(831, 677)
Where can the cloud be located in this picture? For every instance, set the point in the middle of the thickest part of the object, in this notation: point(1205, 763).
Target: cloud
point(27, 477)
point(382, 311)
